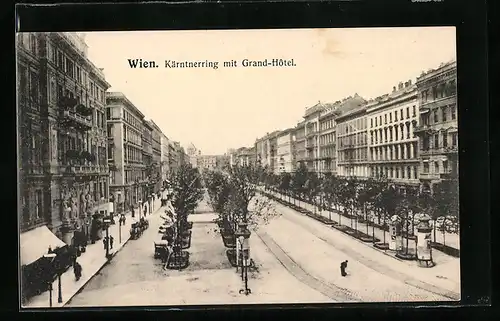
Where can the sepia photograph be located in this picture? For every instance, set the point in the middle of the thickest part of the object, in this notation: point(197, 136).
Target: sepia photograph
point(222, 167)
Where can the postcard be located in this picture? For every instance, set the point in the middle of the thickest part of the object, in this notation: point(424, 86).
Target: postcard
point(219, 167)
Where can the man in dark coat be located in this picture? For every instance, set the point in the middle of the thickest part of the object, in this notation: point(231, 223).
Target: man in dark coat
point(111, 240)
point(77, 269)
point(343, 266)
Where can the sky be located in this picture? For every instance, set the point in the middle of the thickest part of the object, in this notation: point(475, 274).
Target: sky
point(218, 109)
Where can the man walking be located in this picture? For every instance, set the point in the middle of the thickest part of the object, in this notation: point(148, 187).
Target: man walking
point(343, 266)
point(105, 241)
point(111, 240)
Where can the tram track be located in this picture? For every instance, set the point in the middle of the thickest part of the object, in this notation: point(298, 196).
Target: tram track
point(369, 263)
point(337, 294)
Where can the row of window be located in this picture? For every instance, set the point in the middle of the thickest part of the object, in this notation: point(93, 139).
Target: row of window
point(132, 120)
point(394, 152)
point(443, 139)
point(327, 124)
point(328, 152)
point(132, 135)
point(353, 155)
point(352, 126)
point(131, 176)
point(29, 87)
point(76, 72)
point(442, 90)
point(358, 139)
point(435, 168)
point(327, 139)
point(393, 133)
point(133, 154)
point(388, 117)
point(448, 112)
point(395, 172)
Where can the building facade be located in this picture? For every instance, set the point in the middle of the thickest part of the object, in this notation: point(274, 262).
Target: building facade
point(438, 124)
point(155, 173)
point(207, 162)
point(311, 119)
point(147, 158)
point(300, 144)
point(352, 140)
point(63, 177)
point(125, 151)
point(164, 159)
point(193, 154)
point(286, 151)
point(393, 145)
point(327, 141)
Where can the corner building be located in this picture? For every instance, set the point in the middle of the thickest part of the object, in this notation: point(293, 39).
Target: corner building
point(63, 176)
point(438, 128)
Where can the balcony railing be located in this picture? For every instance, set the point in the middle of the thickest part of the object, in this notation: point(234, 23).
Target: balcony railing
point(84, 169)
point(421, 128)
point(429, 176)
point(76, 120)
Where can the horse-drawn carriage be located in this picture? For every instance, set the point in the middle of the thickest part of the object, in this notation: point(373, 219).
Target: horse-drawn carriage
point(135, 231)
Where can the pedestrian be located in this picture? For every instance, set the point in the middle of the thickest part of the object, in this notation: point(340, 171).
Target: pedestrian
point(343, 266)
point(145, 209)
point(77, 269)
point(111, 240)
point(105, 241)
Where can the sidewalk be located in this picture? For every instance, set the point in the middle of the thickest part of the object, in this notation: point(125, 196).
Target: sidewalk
point(452, 240)
point(92, 261)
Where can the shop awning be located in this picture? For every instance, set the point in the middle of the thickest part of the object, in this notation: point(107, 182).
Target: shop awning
point(35, 244)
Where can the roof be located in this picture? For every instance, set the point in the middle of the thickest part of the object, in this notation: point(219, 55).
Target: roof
point(121, 96)
point(432, 72)
point(351, 105)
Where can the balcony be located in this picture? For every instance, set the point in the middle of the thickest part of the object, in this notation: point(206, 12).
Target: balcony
point(421, 128)
point(450, 150)
point(439, 151)
point(84, 110)
point(75, 120)
point(312, 133)
point(429, 176)
point(84, 169)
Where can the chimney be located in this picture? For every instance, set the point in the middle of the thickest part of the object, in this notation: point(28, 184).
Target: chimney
point(409, 82)
point(394, 88)
point(400, 86)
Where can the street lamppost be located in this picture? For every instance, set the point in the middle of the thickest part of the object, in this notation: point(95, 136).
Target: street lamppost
point(243, 234)
point(107, 221)
point(51, 256)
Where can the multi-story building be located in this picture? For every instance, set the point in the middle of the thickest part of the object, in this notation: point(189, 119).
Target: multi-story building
point(265, 150)
point(311, 119)
point(147, 158)
point(207, 162)
point(156, 174)
point(352, 141)
point(327, 151)
point(438, 125)
point(392, 142)
point(285, 151)
point(173, 157)
point(300, 144)
point(193, 154)
point(164, 159)
point(125, 132)
point(63, 177)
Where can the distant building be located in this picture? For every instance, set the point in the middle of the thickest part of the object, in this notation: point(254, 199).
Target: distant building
point(285, 151)
point(125, 151)
point(193, 154)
